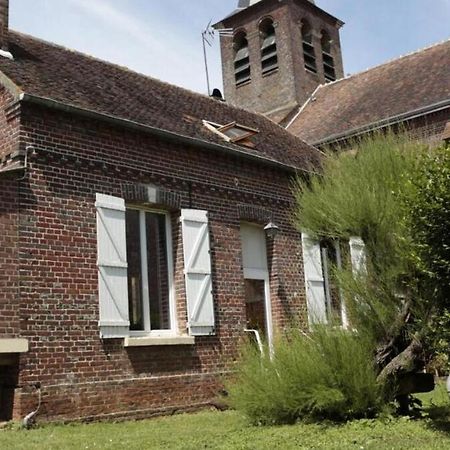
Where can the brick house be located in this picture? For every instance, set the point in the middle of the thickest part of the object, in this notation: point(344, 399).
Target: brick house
point(284, 60)
point(145, 229)
point(133, 254)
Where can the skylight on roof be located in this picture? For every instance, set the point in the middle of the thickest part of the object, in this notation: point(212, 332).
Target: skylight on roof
point(233, 132)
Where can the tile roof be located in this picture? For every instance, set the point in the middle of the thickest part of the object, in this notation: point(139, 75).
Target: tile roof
point(49, 71)
point(407, 84)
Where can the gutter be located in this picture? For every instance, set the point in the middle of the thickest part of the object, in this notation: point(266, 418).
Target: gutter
point(377, 125)
point(165, 134)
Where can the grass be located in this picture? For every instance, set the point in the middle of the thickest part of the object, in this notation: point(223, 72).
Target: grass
point(229, 430)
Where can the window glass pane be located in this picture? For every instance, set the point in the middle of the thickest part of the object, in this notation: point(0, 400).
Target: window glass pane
point(255, 306)
point(328, 250)
point(235, 132)
point(134, 270)
point(158, 280)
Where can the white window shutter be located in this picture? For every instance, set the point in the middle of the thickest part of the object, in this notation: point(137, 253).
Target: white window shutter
point(197, 272)
point(315, 283)
point(358, 255)
point(112, 267)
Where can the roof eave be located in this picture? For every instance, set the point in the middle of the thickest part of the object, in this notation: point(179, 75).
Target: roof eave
point(162, 133)
point(384, 123)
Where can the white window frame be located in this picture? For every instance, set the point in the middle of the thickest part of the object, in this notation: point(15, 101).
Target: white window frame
point(173, 331)
point(219, 130)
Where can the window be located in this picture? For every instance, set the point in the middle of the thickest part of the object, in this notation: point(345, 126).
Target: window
point(241, 59)
point(324, 301)
point(330, 252)
point(269, 57)
point(309, 55)
point(328, 60)
point(135, 272)
point(148, 270)
point(233, 132)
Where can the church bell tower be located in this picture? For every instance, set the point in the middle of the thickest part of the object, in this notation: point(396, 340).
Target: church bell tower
point(278, 53)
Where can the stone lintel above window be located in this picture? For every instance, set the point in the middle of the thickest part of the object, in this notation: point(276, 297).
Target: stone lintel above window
point(254, 214)
point(8, 346)
point(150, 194)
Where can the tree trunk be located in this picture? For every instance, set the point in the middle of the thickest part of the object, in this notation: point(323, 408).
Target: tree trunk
point(409, 360)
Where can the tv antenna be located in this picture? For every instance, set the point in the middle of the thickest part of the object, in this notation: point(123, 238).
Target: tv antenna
point(208, 35)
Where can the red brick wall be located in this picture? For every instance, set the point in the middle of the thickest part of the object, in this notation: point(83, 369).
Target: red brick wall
point(305, 81)
point(430, 128)
point(9, 311)
point(59, 299)
point(4, 19)
point(291, 85)
point(9, 124)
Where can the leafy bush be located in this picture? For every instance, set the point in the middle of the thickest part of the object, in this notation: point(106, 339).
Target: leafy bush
point(439, 341)
point(428, 199)
point(325, 375)
point(428, 202)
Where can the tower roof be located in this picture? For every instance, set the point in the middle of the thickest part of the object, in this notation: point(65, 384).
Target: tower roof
point(246, 3)
point(242, 4)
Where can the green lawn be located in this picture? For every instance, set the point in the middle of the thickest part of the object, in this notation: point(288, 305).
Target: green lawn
point(228, 430)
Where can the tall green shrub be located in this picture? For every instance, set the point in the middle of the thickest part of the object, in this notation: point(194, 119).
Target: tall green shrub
point(328, 374)
point(394, 193)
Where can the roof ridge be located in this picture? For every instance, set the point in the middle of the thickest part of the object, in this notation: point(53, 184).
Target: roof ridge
point(389, 61)
point(135, 72)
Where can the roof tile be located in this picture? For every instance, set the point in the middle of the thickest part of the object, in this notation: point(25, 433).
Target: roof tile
point(46, 70)
point(406, 84)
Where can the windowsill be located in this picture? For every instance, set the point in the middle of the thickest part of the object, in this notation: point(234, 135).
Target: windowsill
point(158, 341)
point(270, 72)
point(245, 83)
point(312, 72)
point(13, 346)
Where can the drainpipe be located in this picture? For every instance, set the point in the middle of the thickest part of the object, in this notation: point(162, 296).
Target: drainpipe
point(29, 419)
point(258, 339)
